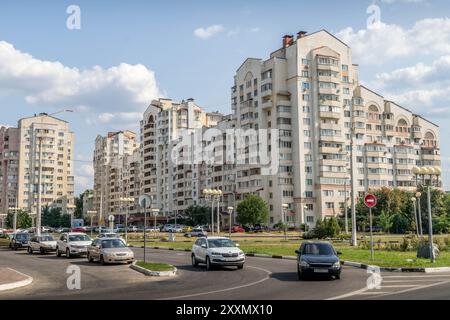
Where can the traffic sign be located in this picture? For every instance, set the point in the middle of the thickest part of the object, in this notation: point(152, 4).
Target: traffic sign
point(145, 201)
point(370, 201)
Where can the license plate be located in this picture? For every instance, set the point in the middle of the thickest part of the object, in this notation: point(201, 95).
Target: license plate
point(320, 270)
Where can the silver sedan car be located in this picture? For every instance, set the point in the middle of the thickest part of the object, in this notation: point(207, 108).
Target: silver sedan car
point(110, 250)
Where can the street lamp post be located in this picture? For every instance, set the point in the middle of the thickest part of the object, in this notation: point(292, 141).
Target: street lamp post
point(285, 207)
point(127, 201)
point(91, 213)
point(39, 191)
point(155, 213)
point(14, 218)
point(429, 171)
point(214, 195)
point(419, 213)
point(414, 201)
point(230, 213)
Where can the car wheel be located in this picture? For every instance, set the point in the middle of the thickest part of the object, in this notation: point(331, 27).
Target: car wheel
point(337, 277)
point(194, 261)
point(42, 251)
point(299, 274)
point(208, 264)
point(102, 260)
point(89, 258)
point(15, 248)
point(58, 253)
point(30, 251)
point(240, 267)
point(67, 253)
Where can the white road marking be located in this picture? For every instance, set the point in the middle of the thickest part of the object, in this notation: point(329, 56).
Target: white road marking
point(269, 273)
point(350, 294)
point(421, 276)
point(415, 288)
point(401, 286)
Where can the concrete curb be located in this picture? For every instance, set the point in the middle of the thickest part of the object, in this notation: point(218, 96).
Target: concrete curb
point(345, 263)
point(17, 284)
point(154, 273)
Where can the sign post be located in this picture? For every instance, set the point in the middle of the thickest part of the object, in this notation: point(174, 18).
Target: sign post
point(145, 202)
point(370, 201)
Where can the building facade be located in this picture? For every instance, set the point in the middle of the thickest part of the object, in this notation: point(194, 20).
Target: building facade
point(309, 91)
point(40, 145)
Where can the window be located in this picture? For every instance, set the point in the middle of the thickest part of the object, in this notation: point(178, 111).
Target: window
point(329, 205)
point(306, 109)
point(305, 61)
point(307, 145)
point(305, 85)
point(305, 74)
point(307, 133)
point(306, 97)
point(309, 182)
point(306, 121)
point(344, 67)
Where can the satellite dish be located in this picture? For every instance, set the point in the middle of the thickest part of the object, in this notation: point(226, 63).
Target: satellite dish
point(145, 201)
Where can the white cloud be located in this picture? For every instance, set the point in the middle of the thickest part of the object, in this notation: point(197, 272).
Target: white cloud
point(381, 42)
point(208, 32)
point(122, 87)
point(423, 87)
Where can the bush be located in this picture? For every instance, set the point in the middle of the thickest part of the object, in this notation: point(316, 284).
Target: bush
point(328, 228)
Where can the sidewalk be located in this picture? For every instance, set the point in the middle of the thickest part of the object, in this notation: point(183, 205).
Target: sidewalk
point(12, 279)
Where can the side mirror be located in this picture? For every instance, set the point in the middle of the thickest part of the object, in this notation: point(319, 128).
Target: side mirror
point(297, 252)
point(339, 253)
point(204, 246)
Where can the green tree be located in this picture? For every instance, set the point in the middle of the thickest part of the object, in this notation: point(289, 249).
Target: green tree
point(51, 217)
point(252, 210)
point(332, 228)
point(65, 221)
point(385, 221)
point(198, 215)
point(78, 213)
point(400, 224)
point(24, 220)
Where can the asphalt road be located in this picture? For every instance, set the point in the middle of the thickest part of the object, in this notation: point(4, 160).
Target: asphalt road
point(261, 279)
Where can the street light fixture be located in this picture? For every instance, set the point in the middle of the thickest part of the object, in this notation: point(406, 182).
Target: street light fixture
point(213, 195)
point(285, 208)
point(127, 201)
point(91, 213)
point(423, 172)
point(414, 201)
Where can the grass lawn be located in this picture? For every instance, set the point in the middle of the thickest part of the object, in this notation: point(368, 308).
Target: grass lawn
point(279, 247)
point(155, 266)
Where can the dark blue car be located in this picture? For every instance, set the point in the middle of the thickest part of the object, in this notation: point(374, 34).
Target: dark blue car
point(318, 259)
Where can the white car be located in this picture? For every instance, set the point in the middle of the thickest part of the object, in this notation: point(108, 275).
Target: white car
point(73, 244)
point(44, 243)
point(217, 251)
point(108, 235)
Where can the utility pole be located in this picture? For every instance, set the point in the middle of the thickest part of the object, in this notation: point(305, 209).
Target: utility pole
point(38, 213)
point(430, 226)
point(352, 175)
point(346, 207)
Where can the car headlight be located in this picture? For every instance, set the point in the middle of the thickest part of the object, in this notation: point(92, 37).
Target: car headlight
point(241, 253)
point(304, 264)
point(337, 265)
point(216, 254)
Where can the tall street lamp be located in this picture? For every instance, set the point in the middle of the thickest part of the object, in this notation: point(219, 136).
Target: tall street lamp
point(127, 202)
point(39, 192)
point(419, 213)
point(213, 195)
point(91, 213)
point(414, 201)
point(15, 217)
point(230, 220)
point(285, 209)
point(431, 172)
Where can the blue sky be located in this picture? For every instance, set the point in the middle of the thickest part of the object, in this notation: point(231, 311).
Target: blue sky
point(128, 52)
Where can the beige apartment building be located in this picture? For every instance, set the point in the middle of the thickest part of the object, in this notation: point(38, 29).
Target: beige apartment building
point(310, 92)
point(20, 151)
point(112, 170)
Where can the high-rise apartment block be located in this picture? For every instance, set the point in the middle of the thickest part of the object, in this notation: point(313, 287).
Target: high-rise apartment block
point(41, 144)
point(309, 93)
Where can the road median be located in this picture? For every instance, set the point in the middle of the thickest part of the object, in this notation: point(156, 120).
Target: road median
point(12, 279)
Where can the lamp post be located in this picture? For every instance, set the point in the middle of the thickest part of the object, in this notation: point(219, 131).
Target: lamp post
point(230, 213)
point(155, 213)
point(39, 191)
point(414, 201)
point(285, 207)
point(15, 217)
point(71, 209)
point(91, 213)
point(127, 202)
point(214, 195)
point(423, 172)
point(419, 213)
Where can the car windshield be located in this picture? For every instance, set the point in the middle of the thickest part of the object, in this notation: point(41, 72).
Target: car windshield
point(22, 236)
point(79, 237)
point(47, 238)
point(221, 243)
point(113, 243)
point(318, 249)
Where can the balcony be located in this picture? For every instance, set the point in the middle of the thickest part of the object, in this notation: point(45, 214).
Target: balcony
point(266, 93)
point(267, 105)
point(330, 115)
point(330, 150)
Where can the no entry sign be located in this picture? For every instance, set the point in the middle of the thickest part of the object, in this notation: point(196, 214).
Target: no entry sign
point(370, 201)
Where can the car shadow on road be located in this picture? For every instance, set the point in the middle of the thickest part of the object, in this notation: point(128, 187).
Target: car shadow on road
point(292, 277)
point(202, 268)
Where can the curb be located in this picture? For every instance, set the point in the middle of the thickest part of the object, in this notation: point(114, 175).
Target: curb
point(345, 263)
point(154, 273)
point(17, 284)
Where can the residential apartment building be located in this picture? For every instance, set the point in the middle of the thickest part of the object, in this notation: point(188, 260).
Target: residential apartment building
point(112, 172)
point(40, 144)
point(173, 185)
point(309, 91)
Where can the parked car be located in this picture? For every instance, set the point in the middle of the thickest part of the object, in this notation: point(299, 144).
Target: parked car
point(174, 229)
point(44, 243)
point(195, 233)
point(166, 227)
point(108, 235)
point(318, 258)
point(110, 250)
point(259, 228)
point(237, 229)
point(186, 229)
point(19, 241)
point(78, 229)
point(73, 244)
point(132, 229)
point(217, 251)
point(152, 229)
